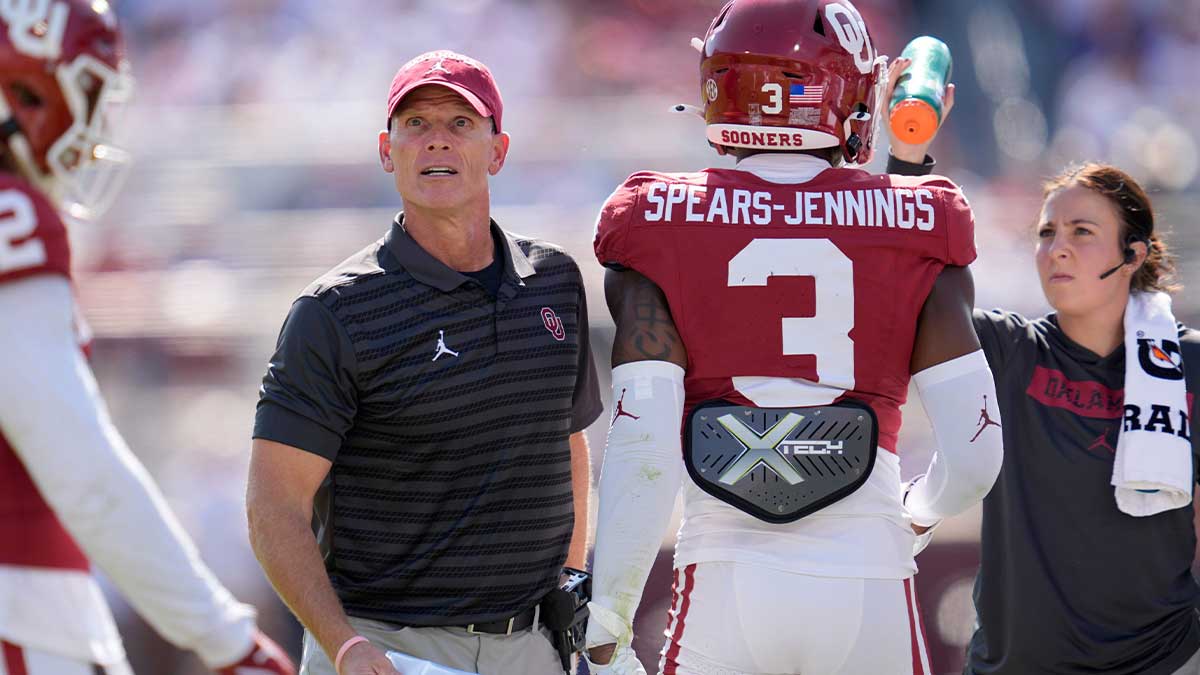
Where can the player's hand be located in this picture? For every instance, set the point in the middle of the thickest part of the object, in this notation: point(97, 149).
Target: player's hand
point(603, 661)
point(901, 150)
point(265, 657)
point(366, 659)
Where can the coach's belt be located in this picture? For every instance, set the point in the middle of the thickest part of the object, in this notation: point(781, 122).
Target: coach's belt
point(780, 464)
point(504, 626)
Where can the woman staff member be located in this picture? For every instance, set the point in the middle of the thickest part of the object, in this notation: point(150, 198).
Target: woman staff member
point(1077, 577)
point(1074, 577)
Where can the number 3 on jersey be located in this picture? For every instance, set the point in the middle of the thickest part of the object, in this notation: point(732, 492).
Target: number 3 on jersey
point(826, 334)
point(18, 220)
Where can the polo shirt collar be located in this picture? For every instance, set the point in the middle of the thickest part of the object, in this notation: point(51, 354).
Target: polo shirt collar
point(433, 272)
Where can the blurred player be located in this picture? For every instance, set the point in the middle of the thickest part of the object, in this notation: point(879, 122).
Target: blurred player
point(71, 493)
point(778, 310)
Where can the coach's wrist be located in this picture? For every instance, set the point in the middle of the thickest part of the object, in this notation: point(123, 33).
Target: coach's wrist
point(350, 643)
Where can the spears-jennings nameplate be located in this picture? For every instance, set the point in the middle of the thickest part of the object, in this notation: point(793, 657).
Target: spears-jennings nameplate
point(780, 464)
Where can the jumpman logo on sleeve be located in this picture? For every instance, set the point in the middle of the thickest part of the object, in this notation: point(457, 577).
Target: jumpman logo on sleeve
point(621, 412)
point(442, 349)
point(985, 420)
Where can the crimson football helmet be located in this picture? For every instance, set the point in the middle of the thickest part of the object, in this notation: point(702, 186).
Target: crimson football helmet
point(791, 75)
point(63, 76)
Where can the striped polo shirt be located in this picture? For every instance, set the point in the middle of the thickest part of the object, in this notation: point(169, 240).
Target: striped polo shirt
point(446, 413)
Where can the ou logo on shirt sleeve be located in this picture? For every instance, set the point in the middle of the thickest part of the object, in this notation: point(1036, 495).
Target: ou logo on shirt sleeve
point(553, 324)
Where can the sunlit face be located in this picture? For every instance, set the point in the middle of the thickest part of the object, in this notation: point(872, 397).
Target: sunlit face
point(441, 151)
point(1078, 234)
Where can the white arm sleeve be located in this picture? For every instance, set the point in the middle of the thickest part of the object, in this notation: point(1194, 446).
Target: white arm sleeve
point(52, 414)
point(960, 398)
point(643, 469)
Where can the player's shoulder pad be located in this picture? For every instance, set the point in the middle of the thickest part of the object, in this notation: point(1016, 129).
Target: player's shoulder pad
point(619, 213)
point(33, 237)
point(956, 211)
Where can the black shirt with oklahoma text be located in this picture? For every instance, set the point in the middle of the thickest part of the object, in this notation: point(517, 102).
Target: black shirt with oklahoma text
point(1068, 583)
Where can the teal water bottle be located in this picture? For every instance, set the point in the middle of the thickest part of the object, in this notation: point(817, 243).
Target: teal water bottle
point(915, 110)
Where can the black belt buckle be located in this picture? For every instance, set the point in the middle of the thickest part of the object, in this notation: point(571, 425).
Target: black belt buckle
point(507, 630)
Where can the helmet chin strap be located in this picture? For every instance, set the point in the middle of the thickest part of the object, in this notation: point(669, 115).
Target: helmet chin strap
point(688, 109)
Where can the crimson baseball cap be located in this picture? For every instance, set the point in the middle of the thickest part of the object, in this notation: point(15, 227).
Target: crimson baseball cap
point(469, 78)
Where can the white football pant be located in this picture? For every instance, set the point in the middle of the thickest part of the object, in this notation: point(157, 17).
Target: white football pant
point(18, 660)
point(737, 619)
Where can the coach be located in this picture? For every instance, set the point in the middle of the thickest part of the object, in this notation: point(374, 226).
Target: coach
point(419, 473)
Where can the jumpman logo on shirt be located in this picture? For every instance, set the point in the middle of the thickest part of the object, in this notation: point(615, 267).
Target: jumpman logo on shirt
point(441, 346)
point(620, 412)
point(985, 420)
point(1102, 442)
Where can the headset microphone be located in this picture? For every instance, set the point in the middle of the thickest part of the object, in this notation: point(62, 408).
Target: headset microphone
point(1130, 256)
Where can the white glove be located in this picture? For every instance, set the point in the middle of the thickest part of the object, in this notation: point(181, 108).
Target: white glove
point(624, 662)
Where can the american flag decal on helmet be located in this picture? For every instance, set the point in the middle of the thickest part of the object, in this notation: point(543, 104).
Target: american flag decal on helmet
point(806, 94)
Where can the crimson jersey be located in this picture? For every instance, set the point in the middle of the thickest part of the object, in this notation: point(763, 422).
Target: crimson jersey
point(791, 294)
point(33, 240)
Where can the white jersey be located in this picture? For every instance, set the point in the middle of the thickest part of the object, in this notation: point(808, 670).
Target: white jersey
point(864, 535)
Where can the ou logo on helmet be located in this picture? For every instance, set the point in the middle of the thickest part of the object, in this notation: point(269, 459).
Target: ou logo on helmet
point(852, 33)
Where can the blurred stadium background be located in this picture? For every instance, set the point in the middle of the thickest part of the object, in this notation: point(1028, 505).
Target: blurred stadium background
point(256, 169)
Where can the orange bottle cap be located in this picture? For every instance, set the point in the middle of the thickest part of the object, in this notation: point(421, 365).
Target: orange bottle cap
point(913, 121)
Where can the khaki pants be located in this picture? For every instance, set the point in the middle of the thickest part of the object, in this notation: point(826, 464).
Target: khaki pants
point(527, 652)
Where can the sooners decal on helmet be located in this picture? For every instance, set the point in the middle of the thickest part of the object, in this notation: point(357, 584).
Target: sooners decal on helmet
point(852, 33)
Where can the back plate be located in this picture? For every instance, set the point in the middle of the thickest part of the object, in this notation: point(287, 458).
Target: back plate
point(780, 464)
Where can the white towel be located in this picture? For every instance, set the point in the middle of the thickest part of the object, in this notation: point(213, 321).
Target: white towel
point(1152, 471)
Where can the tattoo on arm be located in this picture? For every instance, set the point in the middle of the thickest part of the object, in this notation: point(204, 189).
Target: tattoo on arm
point(645, 329)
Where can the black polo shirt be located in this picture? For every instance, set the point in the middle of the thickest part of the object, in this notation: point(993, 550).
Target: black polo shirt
point(446, 413)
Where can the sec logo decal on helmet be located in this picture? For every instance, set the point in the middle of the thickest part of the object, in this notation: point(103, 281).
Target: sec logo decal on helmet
point(63, 76)
point(792, 75)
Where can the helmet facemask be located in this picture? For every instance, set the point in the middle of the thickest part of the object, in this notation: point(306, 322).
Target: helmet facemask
point(65, 85)
point(88, 162)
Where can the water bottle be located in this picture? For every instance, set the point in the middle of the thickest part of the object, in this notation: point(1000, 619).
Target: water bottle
point(411, 665)
point(916, 106)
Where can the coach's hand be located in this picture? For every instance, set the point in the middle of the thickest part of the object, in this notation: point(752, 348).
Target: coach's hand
point(602, 661)
point(265, 657)
point(901, 150)
point(365, 659)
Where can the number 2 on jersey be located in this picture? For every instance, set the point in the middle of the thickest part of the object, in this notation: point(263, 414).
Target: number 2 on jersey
point(826, 334)
point(18, 220)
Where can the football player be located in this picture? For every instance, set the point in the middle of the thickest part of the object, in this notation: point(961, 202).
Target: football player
point(71, 493)
point(774, 314)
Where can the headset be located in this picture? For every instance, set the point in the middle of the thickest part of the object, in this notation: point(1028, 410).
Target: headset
point(1129, 253)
